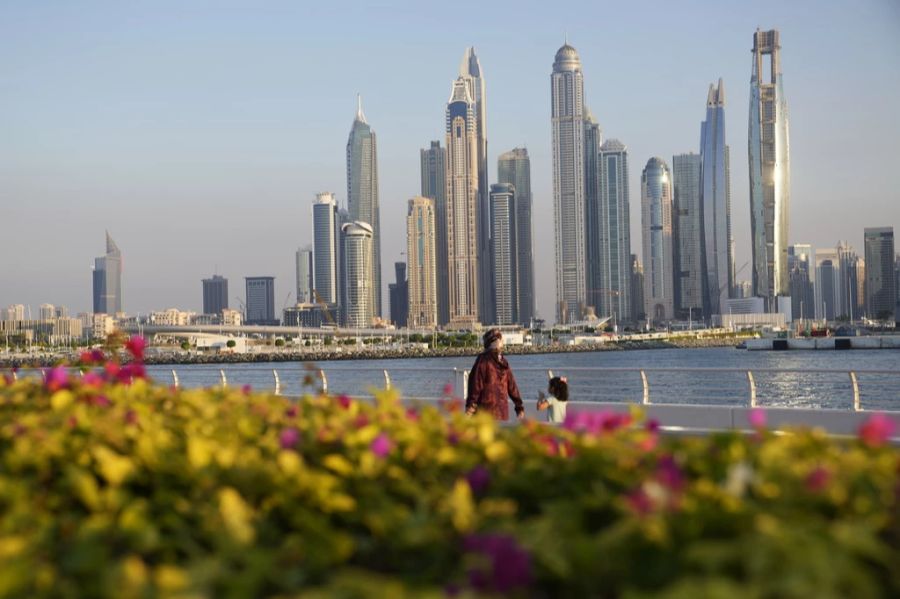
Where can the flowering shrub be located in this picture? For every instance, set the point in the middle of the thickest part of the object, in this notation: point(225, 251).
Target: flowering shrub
point(112, 485)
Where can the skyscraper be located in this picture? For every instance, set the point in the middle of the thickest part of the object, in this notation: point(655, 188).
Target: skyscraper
point(637, 289)
point(687, 233)
point(593, 138)
point(656, 217)
point(470, 71)
point(504, 253)
point(770, 182)
point(434, 186)
point(398, 292)
point(611, 267)
point(801, 266)
point(260, 301)
point(421, 256)
point(357, 267)
point(514, 168)
point(881, 288)
point(715, 193)
point(304, 262)
point(851, 270)
point(362, 191)
point(215, 295)
point(107, 279)
point(567, 121)
point(462, 207)
point(828, 284)
point(325, 249)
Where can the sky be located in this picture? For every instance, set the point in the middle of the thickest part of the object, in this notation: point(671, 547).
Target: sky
point(198, 133)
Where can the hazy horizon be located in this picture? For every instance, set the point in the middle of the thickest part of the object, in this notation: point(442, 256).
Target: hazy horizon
point(198, 134)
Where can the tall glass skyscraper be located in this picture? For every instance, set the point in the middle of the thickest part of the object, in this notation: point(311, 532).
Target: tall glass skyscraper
point(881, 288)
point(567, 120)
point(260, 294)
point(362, 191)
point(434, 186)
point(357, 266)
point(325, 249)
point(656, 223)
point(420, 256)
point(828, 284)
point(107, 280)
point(462, 207)
point(715, 193)
point(514, 168)
point(304, 262)
point(470, 71)
point(215, 295)
point(770, 173)
point(611, 265)
point(504, 253)
point(801, 266)
point(687, 232)
point(593, 138)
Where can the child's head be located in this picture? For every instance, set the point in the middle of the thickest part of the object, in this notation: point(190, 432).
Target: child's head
point(559, 388)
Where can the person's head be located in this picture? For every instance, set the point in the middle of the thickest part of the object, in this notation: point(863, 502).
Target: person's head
point(493, 340)
point(559, 388)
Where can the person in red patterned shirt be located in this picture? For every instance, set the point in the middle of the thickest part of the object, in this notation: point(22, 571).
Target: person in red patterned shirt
point(491, 380)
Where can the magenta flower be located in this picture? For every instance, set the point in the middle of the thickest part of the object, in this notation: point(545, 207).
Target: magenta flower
point(757, 418)
point(448, 390)
point(56, 378)
point(135, 346)
point(382, 445)
point(91, 379)
point(669, 474)
point(102, 401)
point(507, 567)
point(652, 425)
point(639, 502)
point(345, 402)
point(818, 479)
point(595, 423)
point(291, 412)
point(479, 479)
point(876, 430)
point(412, 414)
point(246, 389)
point(289, 438)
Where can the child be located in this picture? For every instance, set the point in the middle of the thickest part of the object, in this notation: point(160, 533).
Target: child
point(558, 388)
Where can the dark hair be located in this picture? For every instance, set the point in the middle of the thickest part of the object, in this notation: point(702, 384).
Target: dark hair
point(490, 336)
point(559, 389)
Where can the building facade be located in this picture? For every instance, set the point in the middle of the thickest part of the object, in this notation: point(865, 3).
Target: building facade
point(801, 266)
point(107, 280)
point(852, 270)
point(656, 224)
point(610, 265)
point(687, 237)
point(326, 239)
point(358, 266)
point(398, 292)
point(567, 113)
point(828, 285)
point(637, 290)
point(881, 287)
point(434, 186)
point(260, 301)
point(421, 256)
point(304, 271)
point(362, 191)
point(504, 254)
point(215, 294)
point(514, 168)
point(770, 173)
point(715, 193)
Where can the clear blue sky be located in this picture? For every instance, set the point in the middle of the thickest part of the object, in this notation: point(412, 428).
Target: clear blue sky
point(198, 133)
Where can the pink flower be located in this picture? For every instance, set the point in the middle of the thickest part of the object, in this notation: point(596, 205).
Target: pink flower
point(56, 378)
point(757, 418)
point(639, 502)
point(508, 564)
point(91, 379)
point(102, 401)
point(289, 438)
point(412, 414)
point(382, 445)
point(86, 358)
point(135, 346)
point(595, 423)
point(131, 417)
point(818, 479)
point(876, 430)
point(246, 389)
point(652, 425)
point(669, 474)
point(112, 370)
point(345, 402)
point(448, 389)
point(291, 412)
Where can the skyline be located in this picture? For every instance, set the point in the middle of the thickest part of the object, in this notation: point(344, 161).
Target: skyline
point(254, 202)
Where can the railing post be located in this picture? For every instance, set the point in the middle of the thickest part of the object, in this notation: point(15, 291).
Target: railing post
point(465, 384)
point(15, 375)
point(174, 378)
point(277, 382)
point(549, 374)
point(224, 380)
point(752, 389)
point(324, 381)
point(646, 399)
point(387, 380)
point(855, 384)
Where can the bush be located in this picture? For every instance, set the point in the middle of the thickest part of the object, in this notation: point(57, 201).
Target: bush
point(231, 343)
point(117, 489)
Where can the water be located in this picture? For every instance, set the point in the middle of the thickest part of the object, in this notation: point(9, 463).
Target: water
point(427, 377)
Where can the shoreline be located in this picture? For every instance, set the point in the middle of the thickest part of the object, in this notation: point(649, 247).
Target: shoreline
point(405, 353)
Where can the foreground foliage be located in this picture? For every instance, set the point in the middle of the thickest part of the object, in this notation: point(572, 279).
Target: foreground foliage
point(113, 486)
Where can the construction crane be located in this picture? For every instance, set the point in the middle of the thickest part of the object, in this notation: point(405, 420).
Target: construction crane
point(324, 307)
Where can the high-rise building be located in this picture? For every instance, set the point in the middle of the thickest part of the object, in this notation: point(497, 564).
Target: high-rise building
point(215, 295)
point(325, 249)
point(637, 290)
point(462, 207)
point(593, 139)
point(656, 224)
point(398, 292)
point(687, 234)
point(881, 286)
point(852, 269)
point(362, 191)
point(107, 277)
point(610, 264)
point(514, 168)
point(504, 253)
point(357, 268)
point(567, 114)
point(434, 186)
point(421, 254)
point(14, 312)
point(470, 71)
point(770, 173)
point(715, 198)
point(305, 269)
point(828, 284)
point(801, 266)
point(260, 301)
point(47, 312)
